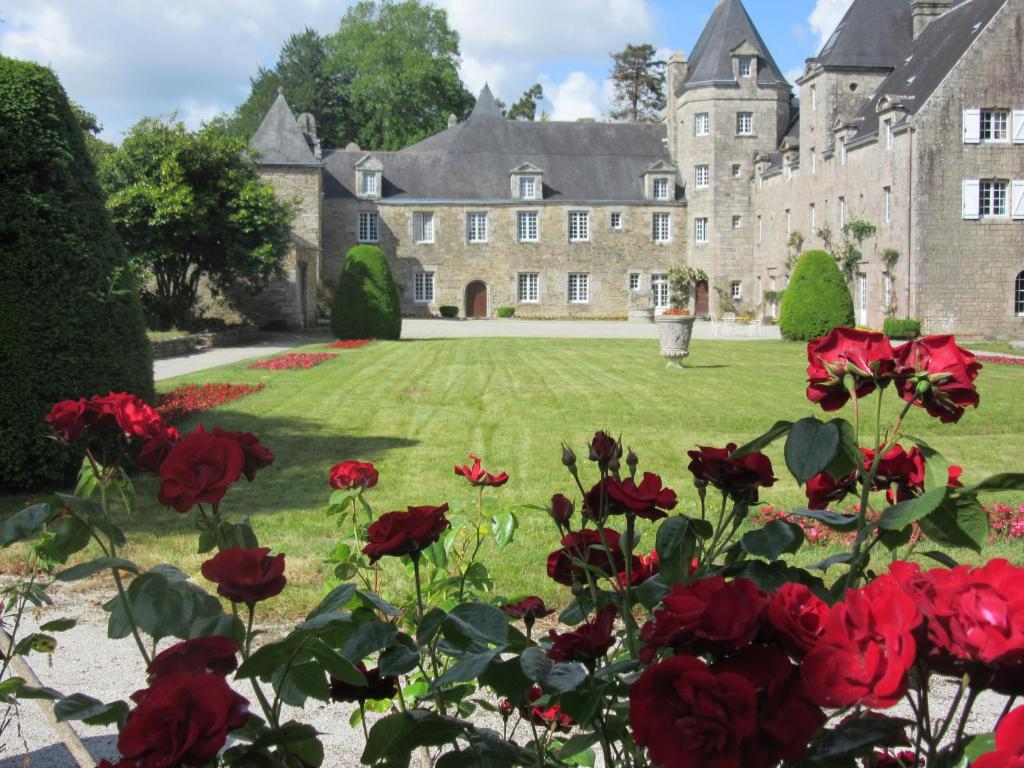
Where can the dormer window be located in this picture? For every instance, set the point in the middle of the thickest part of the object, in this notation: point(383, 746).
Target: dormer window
point(369, 177)
point(370, 184)
point(745, 67)
point(527, 182)
point(527, 188)
point(658, 181)
point(661, 188)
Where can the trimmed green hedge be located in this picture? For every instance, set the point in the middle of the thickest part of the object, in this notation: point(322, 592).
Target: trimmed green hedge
point(71, 319)
point(448, 310)
point(897, 328)
point(366, 303)
point(816, 299)
point(505, 312)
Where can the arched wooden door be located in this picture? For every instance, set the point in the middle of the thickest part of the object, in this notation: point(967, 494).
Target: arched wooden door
point(476, 299)
point(700, 304)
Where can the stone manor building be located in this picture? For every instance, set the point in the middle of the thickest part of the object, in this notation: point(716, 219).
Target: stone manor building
point(910, 118)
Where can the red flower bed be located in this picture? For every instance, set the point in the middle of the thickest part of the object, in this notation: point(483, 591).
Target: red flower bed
point(350, 343)
point(292, 361)
point(181, 402)
point(1001, 359)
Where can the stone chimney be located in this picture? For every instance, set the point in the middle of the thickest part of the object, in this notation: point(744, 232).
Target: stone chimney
point(677, 71)
point(924, 12)
point(452, 121)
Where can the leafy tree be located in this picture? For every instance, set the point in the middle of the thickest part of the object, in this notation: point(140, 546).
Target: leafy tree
point(639, 81)
point(188, 206)
point(301, 71)
point(848, 254)
point(526, 107)
point(400, 61)
point(98, 148)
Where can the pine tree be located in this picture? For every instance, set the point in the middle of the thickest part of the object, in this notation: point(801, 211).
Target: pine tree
point(639, 80)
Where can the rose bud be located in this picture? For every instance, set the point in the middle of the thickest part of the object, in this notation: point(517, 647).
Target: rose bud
point(505, 708)
point(568, 458)
point(632, 461)
point(561, 509)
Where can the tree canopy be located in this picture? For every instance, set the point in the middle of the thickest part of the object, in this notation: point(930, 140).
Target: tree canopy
point(526, 107)
point(639, 81)
point(190, 205)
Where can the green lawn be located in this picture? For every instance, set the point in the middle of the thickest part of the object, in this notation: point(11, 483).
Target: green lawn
point(997, 347)
point(416, 408)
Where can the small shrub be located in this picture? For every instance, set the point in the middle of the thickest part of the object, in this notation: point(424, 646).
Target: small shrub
point(366, 304)
point(896, 328)
point(505, 311)
point(449, 310)
point(816, 299)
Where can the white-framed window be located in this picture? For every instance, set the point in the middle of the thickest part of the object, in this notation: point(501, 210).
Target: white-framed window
point(745, 67)
point(527, 226)
point(744, 123)
point(661, 230)
point(659, 290)
point(842, 152)
point(527, 188)
point(661, 189)
point(369, 227)
point(1018, 295)
point(736, 290)
point(369, 186)
point(423, 227)
point(579, 288)
point(890, 138)
point(423, 287)
point(888, 204)
point(814, 161)
point(616, 220)
point(579, 226)
point(701, 176)
point(842, 212)
point(737, 170)
point(529, 287)
point(760, 229)
point(634, 281)
point(863, 309)
point(814, 99)
point(995, 125)
point(700, 230)
point(814, 218)
point(887, 289)
point(737, 222)
point(702, 124)
point(992, 199)
point(789, 222)
point(476, 226)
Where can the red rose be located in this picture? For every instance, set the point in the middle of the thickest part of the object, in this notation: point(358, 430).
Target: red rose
point(585, 546)
point(405, 533)
point(201, 654)
point(797, 617)
point(647, 500)
point(863, 356)
point(605, 450)
point(1009, 743)
point(904, 759)
point(377, 688)
point(588, 643)
point(353, 474)
point(866, 649)
point(68, 419)
point(643, 568)
point(257, 456)
point(823, 491)
point(709, 615)
point(550, 717)
point(478, 477)
point(561, 509)
point(598, 503)
point(200, 469)
point(126, 413)
point(529, 608)
point(183, 719)
point(246, 575)
point(689, 716)
point(787, 719)
point(155, 451)
point(738, 477)
point(938, 375)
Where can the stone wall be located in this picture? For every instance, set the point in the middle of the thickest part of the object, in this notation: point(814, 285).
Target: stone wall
point(196, 342)
point(608, 257)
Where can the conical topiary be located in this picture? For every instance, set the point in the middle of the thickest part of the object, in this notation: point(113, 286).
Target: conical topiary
point(816, 299)
point(366, 304)
point(71, 319)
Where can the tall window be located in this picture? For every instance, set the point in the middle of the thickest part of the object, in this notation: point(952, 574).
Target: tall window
point(660, 228)
point(736, 290)
point(888, 204)
point(661, 189)
point(887, 288)
point(745, 67)
point(527, 229)
point(369, 227)
point(890, 139)
point(634, 281)
point(842, 212)
point(995, 125)
point(760, 230)
point(789, 222)
point(842, 152)
point(527, 188)
point(423, 287)
point(476, 227)
point(700, 230)
point(369, 183)
point(992, 200)
point(702, 124)
point(579, 226)
point(659, 288)
point(701, 176)
point(814, 218)
point(529, 288)
point(744, 123)
point(737, 222)
point(737, 170)
point(1018, 291)
point(423, 227)
point(814, 98)
point(616, 220)
point(579, 288)
point(814, 161)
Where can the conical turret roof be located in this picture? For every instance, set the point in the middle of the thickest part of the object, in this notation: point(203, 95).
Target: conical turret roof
point(279, 140)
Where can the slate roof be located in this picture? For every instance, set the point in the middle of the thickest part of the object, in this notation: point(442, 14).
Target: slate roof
point(279, 140)
point(711, 61)
point(926, 61)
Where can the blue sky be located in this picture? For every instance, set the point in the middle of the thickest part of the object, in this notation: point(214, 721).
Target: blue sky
point(125, 59)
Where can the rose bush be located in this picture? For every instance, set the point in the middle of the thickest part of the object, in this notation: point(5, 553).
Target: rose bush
point(703, 647)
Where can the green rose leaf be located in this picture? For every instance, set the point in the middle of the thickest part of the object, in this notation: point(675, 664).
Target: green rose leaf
point(811, 448)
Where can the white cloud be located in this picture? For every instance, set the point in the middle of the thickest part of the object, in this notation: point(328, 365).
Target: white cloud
point(825, 16)
point(193, 114)
point(579, 95)
point(41, 33)
point(794, 74)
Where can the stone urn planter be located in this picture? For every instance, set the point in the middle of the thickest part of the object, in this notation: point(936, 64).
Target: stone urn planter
point(675, 332)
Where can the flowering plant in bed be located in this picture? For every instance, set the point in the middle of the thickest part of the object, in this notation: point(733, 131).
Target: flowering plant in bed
point(293, 361)
point(350, 343)
point(685, 640)
point(188, 399)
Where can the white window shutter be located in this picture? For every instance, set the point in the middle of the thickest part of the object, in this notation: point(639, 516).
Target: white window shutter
point(972, 126)
point(972, 195)
point(1018, 199)
point(1018, 126)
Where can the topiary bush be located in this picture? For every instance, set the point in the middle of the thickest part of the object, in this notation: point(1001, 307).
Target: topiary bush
point(366, 303)
point(816, 299)
point(505, 312)
point(899, 328)
point(71, 316)
point(448, 310)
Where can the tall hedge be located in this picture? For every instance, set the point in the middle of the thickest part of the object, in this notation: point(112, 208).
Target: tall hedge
point(70, 320)
point(816, 299)
point(366, 304)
